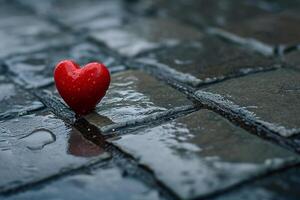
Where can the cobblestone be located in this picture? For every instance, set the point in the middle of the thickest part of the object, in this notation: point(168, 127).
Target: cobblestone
point(280, 186)
point(135, 37)
point(105, 182)
point(134, 95)
point(23, 32)
point(201, 150)
point(278, 94)
point(206, 61)
point(270, 29)
point(37, 146)
point(14, 101)
point(203, 101)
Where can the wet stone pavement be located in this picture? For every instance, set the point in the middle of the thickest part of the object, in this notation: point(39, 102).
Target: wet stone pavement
point(203, 104)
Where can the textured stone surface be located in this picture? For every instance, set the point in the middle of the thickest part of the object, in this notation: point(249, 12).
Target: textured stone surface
point(202, 153)
point(36, 70)
point(81, 15)
point(205, 12)
point(134, 95)
point(143, 34)
point(283, 185)
point(270, 98)
point(271, 29)
point(207, 60)
point(21, 31)
point(293, 59)
point(38, 146)
point(15, 101)
point(165, 146)
point(105, 183)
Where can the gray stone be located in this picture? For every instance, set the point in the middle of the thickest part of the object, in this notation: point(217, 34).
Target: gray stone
point(271, 29)
point(134, 95)
point(205, 61)
point(38, 146)
point(280, 186)
point(293, 58)
point(104, 183)
point(23, 32)
point(271, 99)
point(206, 12)
point(81, 15)
point(145, 34)
point(15, 101)
point(202, 153)
point(36, 70)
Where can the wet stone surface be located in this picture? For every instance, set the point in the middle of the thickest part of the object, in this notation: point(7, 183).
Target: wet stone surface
point(23, 32)
point(293, 59)
point(205, 12)
point(144, 34)
point(36, 70)
point(205, 61)
point(283, 185)
point(105, 182)
point(15, 101)
point(81, 15)
point(134, 95)
point(270, 98)
point(271, 29)
point(38, 146)
point(202, 153)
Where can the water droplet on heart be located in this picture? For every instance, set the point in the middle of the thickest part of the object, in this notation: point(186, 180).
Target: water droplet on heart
point(38, 139)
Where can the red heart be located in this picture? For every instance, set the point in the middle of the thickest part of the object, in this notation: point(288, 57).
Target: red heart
point(81, 88)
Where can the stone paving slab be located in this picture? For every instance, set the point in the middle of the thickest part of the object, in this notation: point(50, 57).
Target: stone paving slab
point(202, 153)
point(81, 15)
point(134, 95)
point(293, 58)
point(280, 186)
point(136, 36)
point(271, 99)
point(104, 183)
point(14, 101)
point(36, 69)
point(269, 28)
point(205, 12)
point(38, 146)
point(272, 22)
point(206, 61)
point(23, 32)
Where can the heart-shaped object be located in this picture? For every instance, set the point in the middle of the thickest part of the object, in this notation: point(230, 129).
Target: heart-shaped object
point(81, 88)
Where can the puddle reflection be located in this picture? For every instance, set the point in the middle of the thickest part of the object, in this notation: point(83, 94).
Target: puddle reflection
point(79, 146)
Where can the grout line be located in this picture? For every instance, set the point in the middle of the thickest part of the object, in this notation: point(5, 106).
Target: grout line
point(251, 126)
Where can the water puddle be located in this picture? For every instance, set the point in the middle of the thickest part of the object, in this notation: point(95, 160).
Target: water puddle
point(38, 139)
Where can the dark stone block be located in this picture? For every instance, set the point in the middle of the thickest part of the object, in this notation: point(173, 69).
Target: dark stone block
point(271, 99)
point(38, 146)
point(205, 61)
point(23, 32)
point(145, 34)
point(15, 101)
point(104, 183)
point(202, 153)
point(280, 186)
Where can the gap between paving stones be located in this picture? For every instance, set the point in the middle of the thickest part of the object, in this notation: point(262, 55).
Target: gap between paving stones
point(261, 177)
point(62, 173)
point(186, 79)
point(234, 115)
point(206, 102)
point(95, 135)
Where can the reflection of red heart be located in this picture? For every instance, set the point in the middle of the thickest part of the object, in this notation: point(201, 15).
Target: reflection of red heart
point(81, 88)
